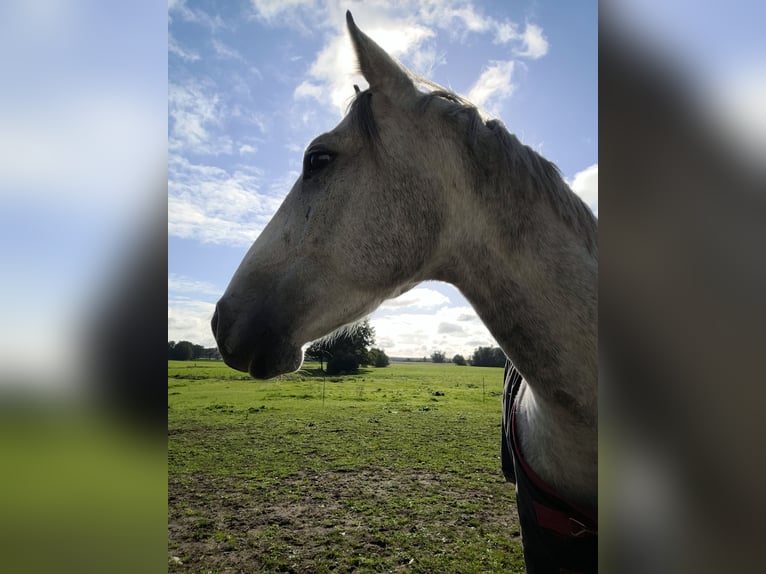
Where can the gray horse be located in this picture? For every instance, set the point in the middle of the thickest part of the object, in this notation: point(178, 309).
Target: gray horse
point(421, 185)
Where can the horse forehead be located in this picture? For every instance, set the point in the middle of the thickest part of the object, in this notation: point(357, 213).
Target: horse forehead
point(379, 110)
point(345, 127)
point(341, 136)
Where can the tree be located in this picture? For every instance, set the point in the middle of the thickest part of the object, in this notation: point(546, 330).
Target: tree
point(342, 363)
point(211, 353)
point(488, 357)
point(183, 351)
point(458, 360)
point(318, 351)
point(438, 357)
point(186, 351)
point(378, 358)
point(346, 351)
point(360, 337)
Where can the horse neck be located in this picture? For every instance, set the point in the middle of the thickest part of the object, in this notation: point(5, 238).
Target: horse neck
point(532, 278)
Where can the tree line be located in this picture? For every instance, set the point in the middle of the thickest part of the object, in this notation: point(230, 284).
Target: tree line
point(188, 351)
point(482, 357)
point(345, 352)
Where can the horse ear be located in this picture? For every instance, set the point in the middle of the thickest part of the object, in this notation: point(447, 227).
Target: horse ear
point(381, 71)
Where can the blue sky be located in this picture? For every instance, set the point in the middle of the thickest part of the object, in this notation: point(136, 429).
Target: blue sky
point(252, 83)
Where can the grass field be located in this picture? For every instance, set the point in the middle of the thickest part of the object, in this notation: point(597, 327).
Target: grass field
point(392, 470)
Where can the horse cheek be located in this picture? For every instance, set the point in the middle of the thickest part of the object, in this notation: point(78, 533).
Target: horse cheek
point(401, 234)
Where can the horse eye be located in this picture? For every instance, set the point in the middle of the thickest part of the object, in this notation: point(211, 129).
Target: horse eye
point(315, 161)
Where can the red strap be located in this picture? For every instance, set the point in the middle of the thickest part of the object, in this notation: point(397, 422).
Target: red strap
point(560, 522)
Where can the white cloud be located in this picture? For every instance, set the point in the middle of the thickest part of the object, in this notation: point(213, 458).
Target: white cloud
point(247, 148)
point(451, 328)
point(175, 48)
point(493, 86)
point(256, 118)
point(399, 38)
point(213, 205)
point(189, 320)
point(331, 73)
point(199, 113)
point(535, 44)
point(457, 17)
point(308, 89)
point(425, 61)
point(182, 284)
point(585, 184)
point(194, 15)
point(471, 20)
point(269, 10)
point(505, 32)
point(195, 110)
point(420, 297)
point(225, 52)
point(406, 31)
point(420, 334)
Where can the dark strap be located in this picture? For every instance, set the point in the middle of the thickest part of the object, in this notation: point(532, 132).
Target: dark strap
point(513, 379)
point(557, 536)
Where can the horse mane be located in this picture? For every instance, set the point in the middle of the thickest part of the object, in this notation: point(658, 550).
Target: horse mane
point(516, 162)
point(360, 110)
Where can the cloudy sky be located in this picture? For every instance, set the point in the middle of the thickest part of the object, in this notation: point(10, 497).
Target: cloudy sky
point(252, 83)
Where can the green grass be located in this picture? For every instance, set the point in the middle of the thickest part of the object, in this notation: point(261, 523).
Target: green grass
point(393, 469)
point(80, 491)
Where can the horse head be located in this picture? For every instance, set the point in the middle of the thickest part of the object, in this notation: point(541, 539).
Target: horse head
point(360, 225)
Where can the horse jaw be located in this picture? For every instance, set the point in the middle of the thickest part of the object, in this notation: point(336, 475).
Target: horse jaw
point(270, 311)
point(288, 361)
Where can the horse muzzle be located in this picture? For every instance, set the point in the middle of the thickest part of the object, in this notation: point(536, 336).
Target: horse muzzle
point(254, 343)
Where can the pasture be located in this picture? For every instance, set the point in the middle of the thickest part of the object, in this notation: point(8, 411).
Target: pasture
point(394, 470)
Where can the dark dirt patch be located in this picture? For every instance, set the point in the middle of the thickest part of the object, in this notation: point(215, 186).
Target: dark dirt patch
point(365, 520)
